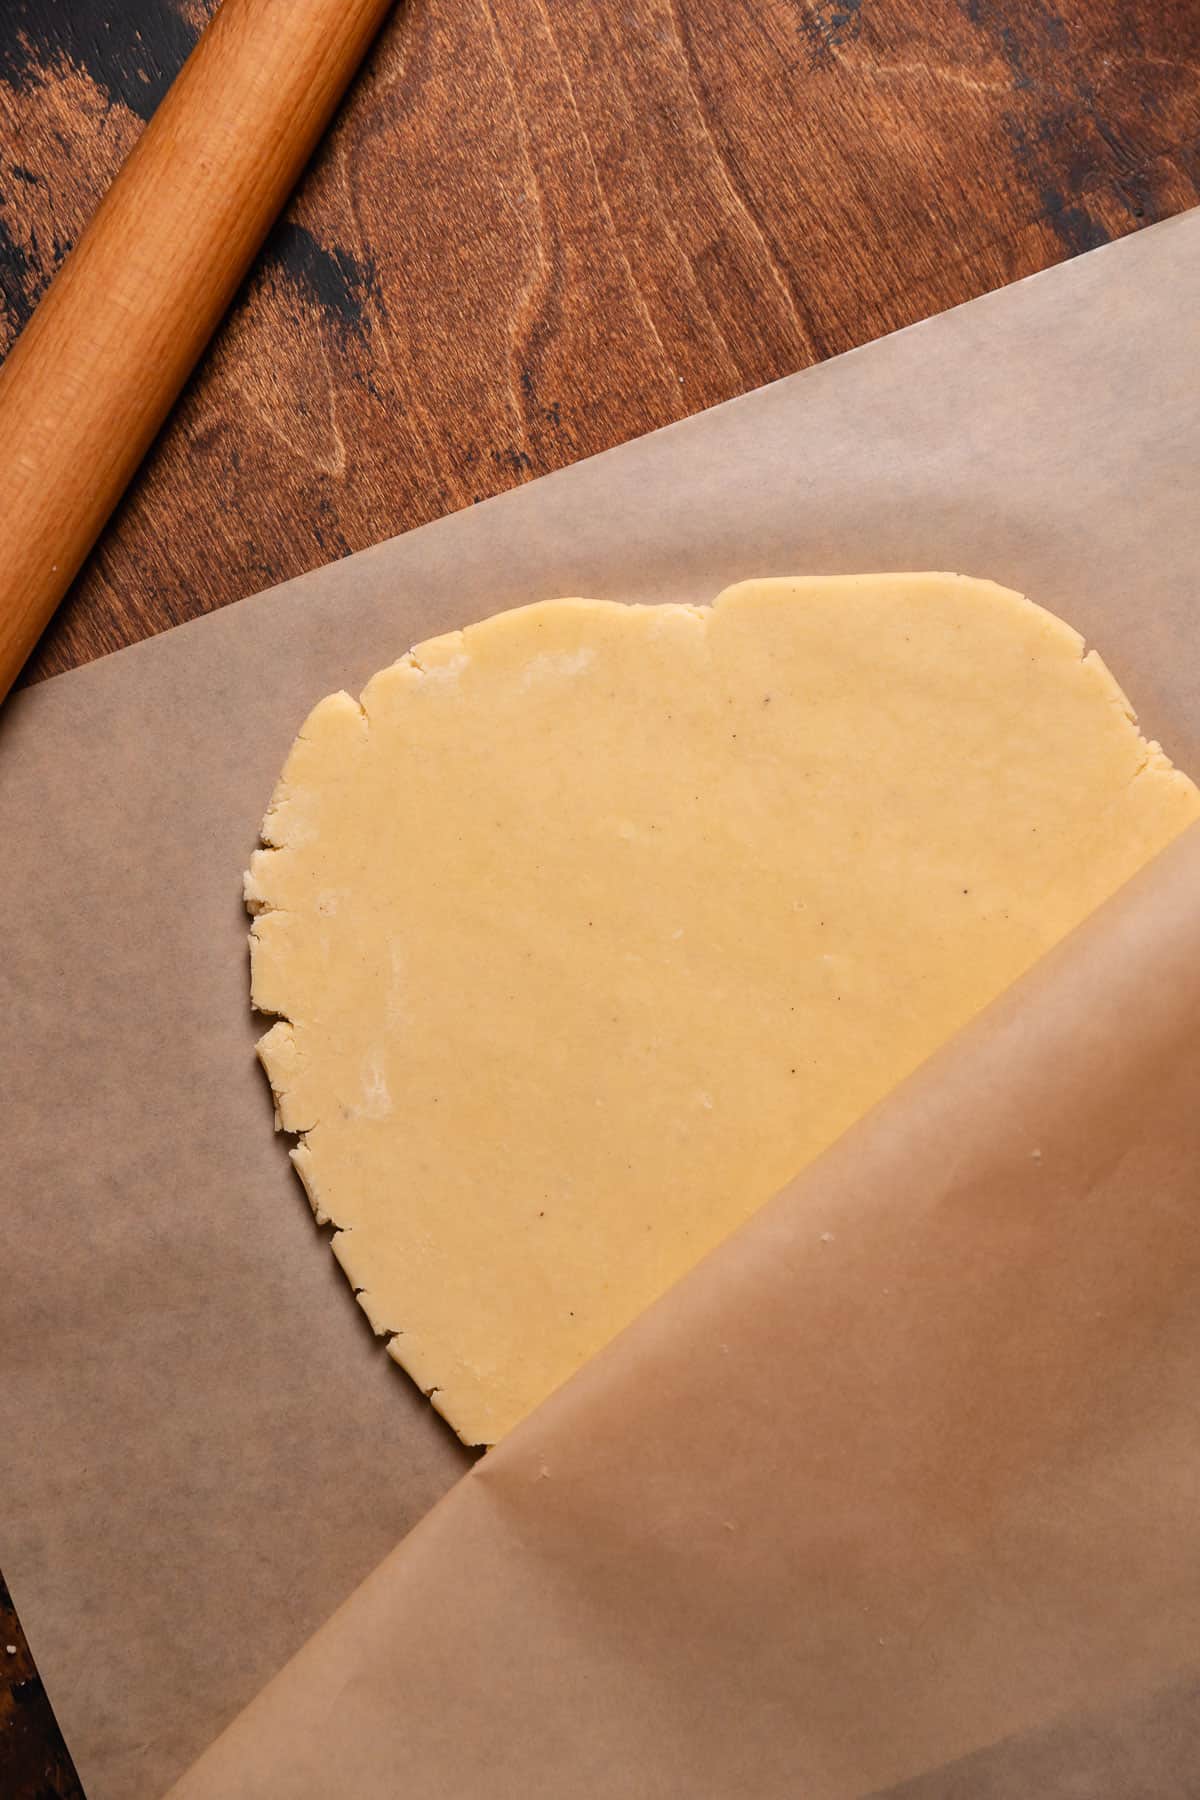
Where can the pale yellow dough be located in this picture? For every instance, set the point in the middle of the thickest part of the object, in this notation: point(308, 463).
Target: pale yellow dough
point(592, 924)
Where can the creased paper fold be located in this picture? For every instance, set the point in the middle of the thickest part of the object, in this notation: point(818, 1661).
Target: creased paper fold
point(908, 1466)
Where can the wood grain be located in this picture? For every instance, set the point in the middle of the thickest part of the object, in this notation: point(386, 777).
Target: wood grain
point(34, 1763)
point(91, 378)
point(541, 227)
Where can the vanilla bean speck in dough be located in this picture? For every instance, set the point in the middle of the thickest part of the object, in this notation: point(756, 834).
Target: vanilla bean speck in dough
point(591, 925)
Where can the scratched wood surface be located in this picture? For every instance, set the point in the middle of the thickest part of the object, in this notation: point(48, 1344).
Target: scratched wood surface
point(542, 227)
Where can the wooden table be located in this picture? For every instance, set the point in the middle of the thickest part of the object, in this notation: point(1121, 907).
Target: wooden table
point(542, 227)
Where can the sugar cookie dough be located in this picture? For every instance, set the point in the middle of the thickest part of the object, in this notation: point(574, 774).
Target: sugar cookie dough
point(591, 924)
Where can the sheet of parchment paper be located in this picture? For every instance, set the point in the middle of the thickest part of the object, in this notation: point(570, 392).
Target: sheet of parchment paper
point(909, 1466)
point(203, 1448)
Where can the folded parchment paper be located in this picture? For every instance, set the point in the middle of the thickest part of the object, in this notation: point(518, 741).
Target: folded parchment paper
point(204, 1451)
point(910, 1465)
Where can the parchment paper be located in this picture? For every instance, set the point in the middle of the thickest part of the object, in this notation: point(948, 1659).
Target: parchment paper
point(910, 1465)
point(204, 1450)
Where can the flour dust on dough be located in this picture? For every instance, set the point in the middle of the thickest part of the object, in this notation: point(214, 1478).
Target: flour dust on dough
point(591, 924)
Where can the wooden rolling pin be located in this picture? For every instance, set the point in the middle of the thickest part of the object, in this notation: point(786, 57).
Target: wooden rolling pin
point(96, 370)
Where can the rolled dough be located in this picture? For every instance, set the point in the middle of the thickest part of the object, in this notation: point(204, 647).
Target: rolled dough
point(592, 924)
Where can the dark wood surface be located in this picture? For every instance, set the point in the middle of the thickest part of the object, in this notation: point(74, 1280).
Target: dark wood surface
point(541, 227)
